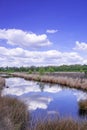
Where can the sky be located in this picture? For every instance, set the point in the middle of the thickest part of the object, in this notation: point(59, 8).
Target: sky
point(43, 32)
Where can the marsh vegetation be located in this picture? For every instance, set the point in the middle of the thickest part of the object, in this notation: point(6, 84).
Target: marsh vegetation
point(14, 114)
point(65, 79)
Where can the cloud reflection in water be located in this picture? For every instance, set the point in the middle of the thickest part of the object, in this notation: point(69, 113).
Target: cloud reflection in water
point(38, 95)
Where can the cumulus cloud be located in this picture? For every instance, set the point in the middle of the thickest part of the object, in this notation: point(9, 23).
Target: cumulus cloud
point(21, 57)
point(81, 46)
point(16, 37)
point(51, 31)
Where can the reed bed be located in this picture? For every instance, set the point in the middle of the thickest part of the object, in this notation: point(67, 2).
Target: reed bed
point(78, 83)
point(13, 114)
point(60, 124)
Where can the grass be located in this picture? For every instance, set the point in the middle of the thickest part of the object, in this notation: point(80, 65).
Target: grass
point(2, 84)
point(13, 114)
point(83, 104)
point(83, 107)
point(60, 124)
point(69, 79)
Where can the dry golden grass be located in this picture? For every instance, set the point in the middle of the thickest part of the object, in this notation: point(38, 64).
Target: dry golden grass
point(60, 124)
point(13, 114)
point(83, 105)
point(2, 84)
point(77, 82)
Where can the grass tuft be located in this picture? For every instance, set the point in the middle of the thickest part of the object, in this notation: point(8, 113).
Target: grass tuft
point(13, 114)
point(61, 124)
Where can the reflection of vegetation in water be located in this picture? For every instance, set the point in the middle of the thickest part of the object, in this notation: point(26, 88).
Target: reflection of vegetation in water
point(41, 86)
point(82, 113)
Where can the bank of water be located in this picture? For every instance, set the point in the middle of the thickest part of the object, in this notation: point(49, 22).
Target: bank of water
point(45, 99)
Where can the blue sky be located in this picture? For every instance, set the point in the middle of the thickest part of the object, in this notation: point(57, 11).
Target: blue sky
point(43, 32)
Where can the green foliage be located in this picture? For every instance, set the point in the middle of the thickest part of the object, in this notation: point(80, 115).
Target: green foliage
point(41, 70)
point(30, 71)
point(50, 69)
point(85, 71)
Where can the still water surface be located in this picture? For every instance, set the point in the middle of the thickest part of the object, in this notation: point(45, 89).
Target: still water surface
point(45, 99)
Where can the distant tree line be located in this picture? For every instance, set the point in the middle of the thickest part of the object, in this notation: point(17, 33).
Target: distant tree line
point(41, 70)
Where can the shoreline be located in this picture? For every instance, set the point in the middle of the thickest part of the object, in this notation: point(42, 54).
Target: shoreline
point(22, 122)
point(14, 114)
point(70, 81)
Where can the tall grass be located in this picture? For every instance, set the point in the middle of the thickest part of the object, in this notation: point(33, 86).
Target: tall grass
point(13, 114)
point(70, 81)
point(2, 84)
point(83, 104)
point(60, 124)
point(83, 107)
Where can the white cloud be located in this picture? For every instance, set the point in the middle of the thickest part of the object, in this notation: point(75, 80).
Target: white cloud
point(21, 57)
point(51, 31)
point(81, 46)
point(16, 37)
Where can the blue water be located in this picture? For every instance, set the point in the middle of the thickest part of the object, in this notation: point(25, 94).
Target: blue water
point(45, 99)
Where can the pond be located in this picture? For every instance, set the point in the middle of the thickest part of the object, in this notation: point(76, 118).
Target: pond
point(45, 99)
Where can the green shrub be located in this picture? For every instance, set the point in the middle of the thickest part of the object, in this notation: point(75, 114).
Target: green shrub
point(30, 72)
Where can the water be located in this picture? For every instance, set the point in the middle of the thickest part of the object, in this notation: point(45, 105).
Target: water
point(45, 99)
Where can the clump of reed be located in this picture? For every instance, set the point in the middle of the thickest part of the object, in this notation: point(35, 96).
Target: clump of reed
point(83, 107)
point(13, 114)
point(83, 104)
point(77, 82)
point(60, 124)
point(2, 84)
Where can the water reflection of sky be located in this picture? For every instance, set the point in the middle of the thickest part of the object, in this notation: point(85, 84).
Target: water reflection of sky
point(45, 98)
